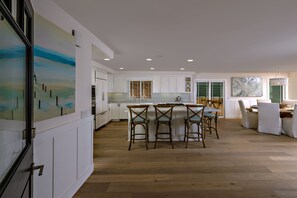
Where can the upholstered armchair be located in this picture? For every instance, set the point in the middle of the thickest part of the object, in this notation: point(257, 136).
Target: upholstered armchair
point(269, 118)
point(290, 124)
point(249, 119)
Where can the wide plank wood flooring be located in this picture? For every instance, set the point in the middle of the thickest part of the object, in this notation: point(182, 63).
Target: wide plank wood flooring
point(242, 163)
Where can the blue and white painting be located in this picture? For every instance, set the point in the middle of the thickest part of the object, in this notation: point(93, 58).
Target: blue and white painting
point(54, 70)
point(12, 74)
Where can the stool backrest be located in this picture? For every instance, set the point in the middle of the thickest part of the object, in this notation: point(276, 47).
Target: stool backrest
point(138, 112)
point(195, 112)
point(163, 112)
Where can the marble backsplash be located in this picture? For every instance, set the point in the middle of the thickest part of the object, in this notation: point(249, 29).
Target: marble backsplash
point(156, 97)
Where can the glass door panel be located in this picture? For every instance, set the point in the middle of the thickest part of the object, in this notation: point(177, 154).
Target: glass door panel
point(12, 97)
point(211, 90)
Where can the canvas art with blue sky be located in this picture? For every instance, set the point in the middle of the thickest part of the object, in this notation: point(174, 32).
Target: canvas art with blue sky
point(54, 70)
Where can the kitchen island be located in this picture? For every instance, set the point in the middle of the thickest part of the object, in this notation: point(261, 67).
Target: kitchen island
point(178, 126)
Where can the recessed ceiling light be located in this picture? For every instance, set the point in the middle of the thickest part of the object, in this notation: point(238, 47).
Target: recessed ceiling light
point(182, 68)
point(152, 68)
point(190, 60)
point(121, 68)
point(106, 59)
point(149, 59)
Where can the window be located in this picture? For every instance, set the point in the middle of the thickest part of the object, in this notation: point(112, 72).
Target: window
point(141, 89)
point(277, 93)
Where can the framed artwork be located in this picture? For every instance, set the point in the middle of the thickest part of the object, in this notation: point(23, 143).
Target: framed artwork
point(246, 87)
point(54, 70)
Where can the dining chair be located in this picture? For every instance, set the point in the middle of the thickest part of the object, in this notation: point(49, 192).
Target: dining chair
point(195, 116)
point(290, 124)
point(138, 117)
point(269, 118)
point(163, 116)
point(211, 118)
point(265, 100)
point(249, 119)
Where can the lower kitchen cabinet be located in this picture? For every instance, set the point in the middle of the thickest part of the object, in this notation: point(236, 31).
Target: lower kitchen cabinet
point(101, 119)
point(115, 111)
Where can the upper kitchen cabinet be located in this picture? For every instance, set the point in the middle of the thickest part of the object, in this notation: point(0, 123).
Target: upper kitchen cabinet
point(183, 84)
point(156, 84)
point(168, 84)
point(110, 83)
point(120, 84)
point(93, 77)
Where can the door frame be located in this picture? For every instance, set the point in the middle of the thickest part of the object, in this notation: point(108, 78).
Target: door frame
point(18, 179)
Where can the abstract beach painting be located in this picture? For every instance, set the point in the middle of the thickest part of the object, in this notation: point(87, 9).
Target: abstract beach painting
point(12, 74)
point(54, 70)
point(247, 86)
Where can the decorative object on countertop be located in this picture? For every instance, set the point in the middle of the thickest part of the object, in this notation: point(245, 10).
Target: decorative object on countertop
point(163, 114)
point(247, 86)
point(138, 116)
point(194, 116)
point(178, 99)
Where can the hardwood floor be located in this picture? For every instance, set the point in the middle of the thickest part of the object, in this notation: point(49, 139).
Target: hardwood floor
point(242, 163)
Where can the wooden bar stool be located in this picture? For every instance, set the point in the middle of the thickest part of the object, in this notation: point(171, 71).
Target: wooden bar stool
point(163, 114)
point(210, 117)
point(138, 116)
point(194, 117)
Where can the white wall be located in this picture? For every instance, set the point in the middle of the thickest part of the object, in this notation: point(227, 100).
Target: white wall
point(293, 85)
point(58, 16)
point(65, 144)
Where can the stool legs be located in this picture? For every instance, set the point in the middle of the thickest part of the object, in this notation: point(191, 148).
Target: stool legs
point(133, 134)
point(158, 124)
point(209, 127)
point(200, 134)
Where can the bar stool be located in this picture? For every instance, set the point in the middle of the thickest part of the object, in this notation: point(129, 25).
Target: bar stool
point(138, 116)
point(210, 116)
point(195, 114)
point(163, 114)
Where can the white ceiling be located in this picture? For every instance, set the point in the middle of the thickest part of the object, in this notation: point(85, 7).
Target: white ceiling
point(220, 35)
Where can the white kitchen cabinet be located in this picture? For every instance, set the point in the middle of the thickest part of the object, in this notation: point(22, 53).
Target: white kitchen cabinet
point(183, 84)
point(110, 83)
point(124, 111)
point(101, 119)
point(156, 84)
point(120, 84)
point(168, 84)
point(93, 77)
point(180, 84)
point(101, 75)
point(115, 111)
point(108, 113)
point(101, 103)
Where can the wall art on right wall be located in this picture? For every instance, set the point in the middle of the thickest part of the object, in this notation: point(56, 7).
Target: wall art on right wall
point(247, 86)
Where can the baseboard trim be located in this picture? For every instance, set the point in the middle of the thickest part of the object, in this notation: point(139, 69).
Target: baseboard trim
point(75, 187)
